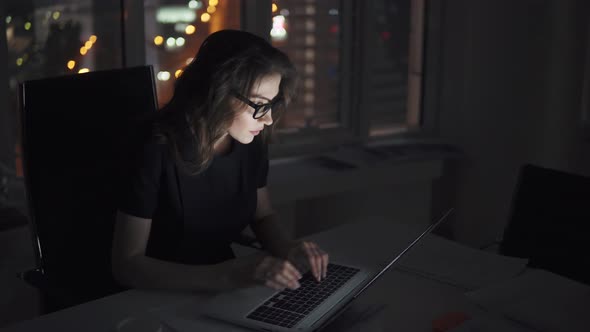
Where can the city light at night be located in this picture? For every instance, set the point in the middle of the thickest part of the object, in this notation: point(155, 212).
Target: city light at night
point(163, 76)
point(190, 29)
point(175, 14)
point(278, 31)
point(193, 4)
point(170, 42)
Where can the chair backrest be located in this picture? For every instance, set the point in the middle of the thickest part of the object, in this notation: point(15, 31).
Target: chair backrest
point(75, 132)
point(550, 222)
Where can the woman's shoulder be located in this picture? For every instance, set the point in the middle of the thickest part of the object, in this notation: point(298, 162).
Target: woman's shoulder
point(149, 138)
point(149, 144)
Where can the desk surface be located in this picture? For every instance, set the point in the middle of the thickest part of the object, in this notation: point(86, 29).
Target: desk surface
point(407, 298)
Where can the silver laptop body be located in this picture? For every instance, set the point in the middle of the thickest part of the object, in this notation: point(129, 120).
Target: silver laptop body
point(237, 306)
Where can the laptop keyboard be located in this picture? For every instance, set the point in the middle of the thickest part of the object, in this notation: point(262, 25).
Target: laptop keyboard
point(288, 307)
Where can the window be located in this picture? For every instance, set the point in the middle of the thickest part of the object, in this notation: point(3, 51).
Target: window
point(395, 66)
point(53, 38)
point(309, 32)
point(360, 64)
point(360, 61)
point(585, 102)
point(174, 31)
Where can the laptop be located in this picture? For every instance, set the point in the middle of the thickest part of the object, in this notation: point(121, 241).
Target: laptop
point(310, 307)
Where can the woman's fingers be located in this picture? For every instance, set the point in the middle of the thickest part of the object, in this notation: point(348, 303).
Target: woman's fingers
point(262, 269)
point(314, 263)
point(321, 259)
point(285, 281)
point(288, 274)
point(325, 260)
point(317, 259)
point(273, 284)
point(291, 270)
point(278, 274)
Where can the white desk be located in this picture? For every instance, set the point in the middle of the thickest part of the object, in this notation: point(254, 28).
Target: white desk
point(413, 298)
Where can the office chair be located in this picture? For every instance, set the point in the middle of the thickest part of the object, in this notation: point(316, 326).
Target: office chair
point(75, 131)
point(550, 222)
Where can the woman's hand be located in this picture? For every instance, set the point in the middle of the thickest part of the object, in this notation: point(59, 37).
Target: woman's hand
point(277, 273)
point(259, 269)
point(306, 254)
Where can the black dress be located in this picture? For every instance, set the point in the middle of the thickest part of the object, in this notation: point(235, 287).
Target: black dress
point(195, 217)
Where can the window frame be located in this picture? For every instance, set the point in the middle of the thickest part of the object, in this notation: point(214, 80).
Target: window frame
point(585, 98)
point(430, 87)
point(432, 49)
point(256, 17)
point(316, 140)
point(353, 97)
point(133, 33)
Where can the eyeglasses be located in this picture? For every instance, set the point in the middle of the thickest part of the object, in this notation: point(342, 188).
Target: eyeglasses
point(260, 110)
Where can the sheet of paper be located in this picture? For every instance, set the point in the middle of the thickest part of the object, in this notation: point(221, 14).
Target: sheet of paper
point(459, 265)
point(540, 299)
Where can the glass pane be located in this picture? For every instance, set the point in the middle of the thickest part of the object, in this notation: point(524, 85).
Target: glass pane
point(174, 30)
point(395, 64)
point(50, 38)
point(308, 31)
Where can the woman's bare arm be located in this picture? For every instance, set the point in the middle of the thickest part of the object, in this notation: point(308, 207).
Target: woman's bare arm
point(267, 228)
point(274, 239)
point(131, 267)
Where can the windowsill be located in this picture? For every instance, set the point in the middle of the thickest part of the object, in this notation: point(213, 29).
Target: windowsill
point(310, 142)
point(348, 169)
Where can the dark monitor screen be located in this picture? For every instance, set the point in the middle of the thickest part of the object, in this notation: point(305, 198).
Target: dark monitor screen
point(550, 221)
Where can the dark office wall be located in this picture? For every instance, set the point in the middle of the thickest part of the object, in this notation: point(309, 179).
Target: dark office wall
point(510, 94)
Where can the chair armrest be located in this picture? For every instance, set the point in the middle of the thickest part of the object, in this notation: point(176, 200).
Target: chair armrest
point(54, 295)
point(34, 278)
point(248, 241)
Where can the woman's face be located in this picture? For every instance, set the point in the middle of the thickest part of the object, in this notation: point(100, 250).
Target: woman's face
point(245, 127)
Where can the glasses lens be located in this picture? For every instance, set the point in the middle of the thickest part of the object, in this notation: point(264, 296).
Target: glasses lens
point(262, 111)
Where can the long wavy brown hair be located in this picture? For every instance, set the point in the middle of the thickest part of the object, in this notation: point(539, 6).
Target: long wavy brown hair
point(203, 107)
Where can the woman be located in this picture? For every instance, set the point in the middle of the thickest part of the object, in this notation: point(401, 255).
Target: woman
point(201, 178)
